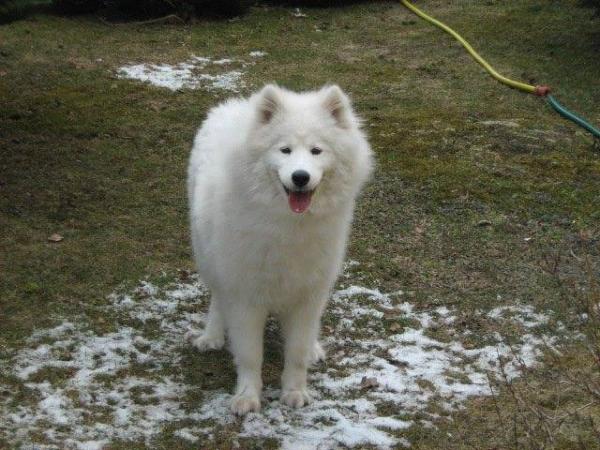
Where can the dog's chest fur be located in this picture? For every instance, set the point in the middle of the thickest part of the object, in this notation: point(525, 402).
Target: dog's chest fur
point(288, 260)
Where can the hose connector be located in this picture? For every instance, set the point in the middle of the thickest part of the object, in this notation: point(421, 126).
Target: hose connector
point(542, 90)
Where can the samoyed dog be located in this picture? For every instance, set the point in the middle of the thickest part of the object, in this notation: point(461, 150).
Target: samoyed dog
point(272, 183)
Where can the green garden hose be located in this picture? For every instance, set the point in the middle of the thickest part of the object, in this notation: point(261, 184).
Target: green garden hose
point(571, 116)
point(541, 91)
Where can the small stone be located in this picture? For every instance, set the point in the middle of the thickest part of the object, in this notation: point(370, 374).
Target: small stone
point(55, 238)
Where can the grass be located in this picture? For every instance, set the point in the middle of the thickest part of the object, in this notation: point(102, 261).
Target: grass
point(102, 161)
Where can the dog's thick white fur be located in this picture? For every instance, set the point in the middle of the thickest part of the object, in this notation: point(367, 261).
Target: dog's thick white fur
point(272, 183)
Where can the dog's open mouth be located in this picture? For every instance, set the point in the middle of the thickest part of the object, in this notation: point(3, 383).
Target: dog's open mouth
point(299, 201)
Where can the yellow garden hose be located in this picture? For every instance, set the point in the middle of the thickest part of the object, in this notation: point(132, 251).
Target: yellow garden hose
point(502, 79)
point(542, 91)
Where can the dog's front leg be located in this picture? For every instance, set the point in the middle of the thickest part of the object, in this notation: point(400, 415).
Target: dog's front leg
point(245, 325)
point(300, 326)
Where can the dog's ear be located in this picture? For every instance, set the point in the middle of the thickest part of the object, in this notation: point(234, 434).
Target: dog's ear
point(338, 105)
point(269, 103)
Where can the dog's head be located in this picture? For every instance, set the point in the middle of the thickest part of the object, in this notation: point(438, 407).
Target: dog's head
point(311, 145)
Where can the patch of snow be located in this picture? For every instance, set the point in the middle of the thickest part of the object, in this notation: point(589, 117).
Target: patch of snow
point(190, 74)
point(298, 13)
point(186, 434)
point(221, 62)
point(523, 314)
point(55, 332)
point(505, 123)
point(258, 54)
point(164, 75)
point(201, 60)
point(229, 81)
point(120, 384)
point(92, 445)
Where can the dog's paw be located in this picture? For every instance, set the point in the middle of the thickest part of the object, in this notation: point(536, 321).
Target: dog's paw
point(244, 403)
point(295, 398)
point(205, 342)
point(317, 353)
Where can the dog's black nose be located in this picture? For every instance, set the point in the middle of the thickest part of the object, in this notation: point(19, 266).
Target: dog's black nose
point(300, 178)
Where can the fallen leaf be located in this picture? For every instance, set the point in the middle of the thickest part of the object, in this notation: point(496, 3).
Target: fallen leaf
point(184, 274)
point(395, 326)
point(368, 382)
point(155, 106)
point(55, 238)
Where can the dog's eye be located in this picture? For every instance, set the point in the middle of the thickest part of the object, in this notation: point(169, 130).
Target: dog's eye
point(316, 151)
point(286, 150)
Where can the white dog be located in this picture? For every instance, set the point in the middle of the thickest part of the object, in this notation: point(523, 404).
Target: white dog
point(272, 183)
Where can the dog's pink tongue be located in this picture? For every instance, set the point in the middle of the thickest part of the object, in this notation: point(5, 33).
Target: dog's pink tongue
point(299, 201)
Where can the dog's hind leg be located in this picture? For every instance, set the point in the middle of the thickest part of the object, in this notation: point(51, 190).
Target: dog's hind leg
point(213, 336)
